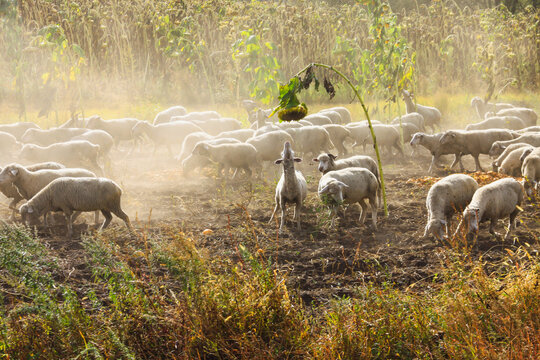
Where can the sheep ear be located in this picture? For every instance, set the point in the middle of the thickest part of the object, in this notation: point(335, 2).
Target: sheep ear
point(278, 161)
point(14, 172)
point(342, 184)
point(332, 156)
point(297, 159)
point(316, 160)
point(324, 189)
point(30, 209)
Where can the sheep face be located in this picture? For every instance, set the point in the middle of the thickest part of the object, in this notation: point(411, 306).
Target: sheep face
point(530, 187)
point(470, 218)
point(496, 149)
point(326, 162)
point(476, 101)
point(9, 174)
point(29, 215)
point(416, 139)
point(333, 191)
point(448, 137)
point(139, 130)
point(94, 122)
point(287, 156)
point(435, 227)
point(201, 149)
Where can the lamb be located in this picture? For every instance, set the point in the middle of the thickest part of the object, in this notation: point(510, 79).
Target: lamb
point(338, 135)
point(498, 122)
point(528, 116)
point(411, 118)
point(166, 115)
point(269, 145)
point(504, 154)
point(532, 139)
point(432, 116)
point(239, 156)
point(119, 129)
point(433, 144)
point(319, 119)
point(71, 195)
point(531, 169)
point(343, 112)
point(243, 134)
point(483, 107)
point(291, 188)
point(194, 161)
point(74, 153)
point(311, 139)
point(511, 165)
point(216, 126)
point(448, 195)
point(11, 192)
point(387, 136)
point(50, 136)
point(492, 202)
point(18, 129)
point(334, 116)
point(189, 144)
point(165, 134)
point(350, 185)
point(474, 142)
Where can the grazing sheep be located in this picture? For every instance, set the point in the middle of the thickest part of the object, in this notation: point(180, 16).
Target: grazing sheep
point(338, 135)
point(474, 142)
point(194, 161)
point(74, 153)
point(166, 115)
point(511, 165)
point(311, 139)
point(432, 116)
point(387, 136)
point(433, 144)
point(483, 107)
point(343, 112)
point(166, 134)
point(243, 134)
point(189, 144)
point(291, 188)
point(238, 156)
point(350, 185)
point(71, 195)
point(119, 129)
point(216, 126)
point(528, 116)
point(531, 169)
point(269, 145)
point(504, 154)
point(319, 119)
point(411, 118)
point(18, 129)
point(51, 136)
point(448, 195)
point(328, 162)
point(532, 139)
point(498, 122)
point(492, 202)
point(11, 192)
point(334, 116)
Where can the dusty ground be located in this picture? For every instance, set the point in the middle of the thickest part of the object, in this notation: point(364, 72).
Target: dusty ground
point(322, 262)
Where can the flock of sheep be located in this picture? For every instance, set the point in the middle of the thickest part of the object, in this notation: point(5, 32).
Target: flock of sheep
point(67, 164)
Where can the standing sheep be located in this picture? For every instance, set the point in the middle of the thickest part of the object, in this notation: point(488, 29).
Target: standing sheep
point(483, 107)
point(432, 116)
point(238, 156)
point(269, 145)
point(167, 134)
point(338, 135)
point(511, 165)
point(492, 202)
point(216, 126)
point(433, 144)
point(311, 140)
point(531, 169)
point(495, 164)
point(387, 136)
point(498, 122)
point(448, 195)
point(71, 195)
point(18, 129)
point(189, 144)
point(195, 161)
point(498, 147)
point(411, 118)
point(119, 129)
point(528, 116)
point(166, 115)
point(350, 185)
point(291, 188)
point(51, 136)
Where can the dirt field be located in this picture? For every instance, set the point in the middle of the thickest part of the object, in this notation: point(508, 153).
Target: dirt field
point(322, 262)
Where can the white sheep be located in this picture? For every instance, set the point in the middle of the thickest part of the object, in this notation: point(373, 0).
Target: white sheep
point(474, 142)
point(98, 137)
point(311, 139)
point(343, 112)
point(432, 116)
point(530, 129)
point(328, 162)
point(531, 169)
point(291, 188)
point(532, 139)
point(387, 137)
point(498, 122)
point(237, 156)
point(349, 186)
point(320, 119)
point(503, 154)
point(194, 161)
point(362, 123)
point(167, 134)
point(266, 129)
point(511, 165)
point(216, 126)
point(11, 192)
point(74, 153)
point(409, 129)
point(447, 196)
point(528, 116)
point(334, 116)
point(197, 115)
point(119, 129)
point(189, 144)
point(433, 144)
point(492, 202)
point(243, 134)
point(269, 145)
point(338, 135)
point(48, 137)
point(483, 107)
point(411, 118)
point(165, 115)
point(18, 129)
point(72, 195)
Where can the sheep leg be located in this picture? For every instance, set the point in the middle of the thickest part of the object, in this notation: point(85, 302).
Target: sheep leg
point(248, 172)
point(477, 162)
point(373, 204)
point(69, 222)
point(283, 205)
point(363, 211)
point(75, 215)
point(96, 217)
point(511, 223)
point(492, 224)
point(122, 215)
point(108, 218)
point(297, 210)
point(432, 164)
point(274, 213)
